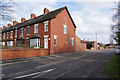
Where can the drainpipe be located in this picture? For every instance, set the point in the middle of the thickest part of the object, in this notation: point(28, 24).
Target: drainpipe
point(49, 35)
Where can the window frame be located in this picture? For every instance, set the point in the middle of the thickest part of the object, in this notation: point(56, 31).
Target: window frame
point(16, 33)
point(72, 41)
point(21, 31)
point(35, 28)
point(3, 35)
point(65, 29)
point(11, 34)
point(55, 38)
point(46, 26)
point(28, 30)
point(35, 44)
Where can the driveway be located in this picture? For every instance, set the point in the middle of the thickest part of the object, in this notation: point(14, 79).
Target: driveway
point(87, 64)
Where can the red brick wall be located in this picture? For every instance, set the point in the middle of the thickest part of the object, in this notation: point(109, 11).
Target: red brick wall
point(64, 41)
point(79, 46)
point(22, 53)
point(31, 30)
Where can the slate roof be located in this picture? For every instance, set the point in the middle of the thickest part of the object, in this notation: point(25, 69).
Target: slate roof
point(35, 36)
point(38, 19)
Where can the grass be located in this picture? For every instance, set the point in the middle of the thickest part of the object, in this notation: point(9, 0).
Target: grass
point(113, 67)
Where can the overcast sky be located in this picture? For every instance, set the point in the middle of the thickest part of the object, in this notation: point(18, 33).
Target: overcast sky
point(90, 16)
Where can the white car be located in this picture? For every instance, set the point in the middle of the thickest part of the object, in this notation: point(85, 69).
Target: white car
point(117, 49)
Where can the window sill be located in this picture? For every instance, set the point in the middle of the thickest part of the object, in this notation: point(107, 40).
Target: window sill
point(27, 34)
point(21, 35)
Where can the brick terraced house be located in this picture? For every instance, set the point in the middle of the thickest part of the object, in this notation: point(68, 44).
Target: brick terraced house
point(53, 30)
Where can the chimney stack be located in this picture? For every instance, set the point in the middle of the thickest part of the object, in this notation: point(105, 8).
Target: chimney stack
point(32, 16)
point(4, 27)
point(46, 11)
point(15, 22)
point(23, 19)
point(0, 28)
point(9, 25)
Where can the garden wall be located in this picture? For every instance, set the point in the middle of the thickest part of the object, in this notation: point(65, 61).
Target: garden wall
point(22, 53)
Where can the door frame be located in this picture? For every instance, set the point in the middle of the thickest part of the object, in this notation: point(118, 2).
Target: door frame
point(45, 36)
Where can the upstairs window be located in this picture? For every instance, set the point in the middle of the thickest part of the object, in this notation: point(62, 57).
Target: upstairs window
point(46, 26)
point(4, 36)
point(55, 40)
point(72, 41)
point(28, 30)
point(22, 32)
point(7, 35)
point(65, 29)
point(36, 28)
point(11, 34)
point(16, 33)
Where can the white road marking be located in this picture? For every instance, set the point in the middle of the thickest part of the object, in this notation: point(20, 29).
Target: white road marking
point(50, 64)
point(37, 67)
point(43, 72)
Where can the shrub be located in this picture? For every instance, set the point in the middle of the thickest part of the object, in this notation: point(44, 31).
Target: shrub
point(41, 47)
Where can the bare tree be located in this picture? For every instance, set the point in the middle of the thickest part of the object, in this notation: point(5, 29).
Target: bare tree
point(116, 26)
point(6, 9)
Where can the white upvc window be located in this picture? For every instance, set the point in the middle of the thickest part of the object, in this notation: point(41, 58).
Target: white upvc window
point(46, 26)
point(21, 31)
point(7, 35)
point(55, 40)
point(16, 33)
point(3, 43)
point(36, 28)
point(9, 43)
point(72, 41)
point(3, 35)
point(35, 43)
point(65, 29)
point(11, 34)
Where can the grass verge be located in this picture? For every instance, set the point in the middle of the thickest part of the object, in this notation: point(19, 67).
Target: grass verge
point(113, 67)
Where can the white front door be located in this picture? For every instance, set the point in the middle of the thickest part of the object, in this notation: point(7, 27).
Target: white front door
point(45, 42)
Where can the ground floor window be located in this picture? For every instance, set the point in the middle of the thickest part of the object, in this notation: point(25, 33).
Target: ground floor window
point(9, 43)
point(3, 43)
point(72, 41)
point(35, 43)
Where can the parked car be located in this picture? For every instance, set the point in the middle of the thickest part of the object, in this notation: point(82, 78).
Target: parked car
point(117, 49)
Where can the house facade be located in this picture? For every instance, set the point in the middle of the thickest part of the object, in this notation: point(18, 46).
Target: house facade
point(53, 30)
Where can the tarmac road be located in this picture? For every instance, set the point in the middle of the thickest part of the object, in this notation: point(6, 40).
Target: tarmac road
point(87, 64)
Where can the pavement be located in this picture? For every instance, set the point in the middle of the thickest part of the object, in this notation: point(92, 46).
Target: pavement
point(86, 64)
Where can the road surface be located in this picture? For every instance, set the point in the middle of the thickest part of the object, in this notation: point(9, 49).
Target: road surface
point(87, 64)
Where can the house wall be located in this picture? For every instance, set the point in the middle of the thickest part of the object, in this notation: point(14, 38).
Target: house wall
point(22, 53)
point(64, 41)
point(31, 30)
point(79, 46)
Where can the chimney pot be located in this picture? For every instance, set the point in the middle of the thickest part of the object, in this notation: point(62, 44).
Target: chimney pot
point(32, 16)
point(4, 27)
point(9, 25)
point(15, 22)
point(46, 11)
point(23, 19)
point(0, 28)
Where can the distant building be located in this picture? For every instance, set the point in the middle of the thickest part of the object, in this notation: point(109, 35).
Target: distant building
point(90, 44)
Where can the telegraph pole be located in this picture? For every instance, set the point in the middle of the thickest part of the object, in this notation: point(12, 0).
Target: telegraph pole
point(96, 37)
